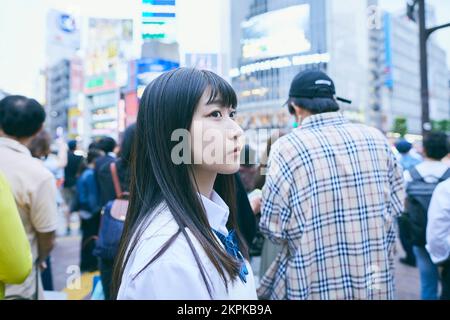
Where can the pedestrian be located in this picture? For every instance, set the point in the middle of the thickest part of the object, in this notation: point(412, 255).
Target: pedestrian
point(70, 179)
point(421, 180)
point(332, 193)
point(107, 145)
point(15, 254)
point(438, 234)
point(407, 161)
point(33, 186)
point(88, 206)
point(181, 239)
point(248, 169)
point(40, 149)
point(107, 192)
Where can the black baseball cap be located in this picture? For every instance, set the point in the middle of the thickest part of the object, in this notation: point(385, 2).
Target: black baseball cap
point(313, 84)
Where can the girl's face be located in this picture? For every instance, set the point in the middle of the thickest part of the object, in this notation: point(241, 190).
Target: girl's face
point(216, 139)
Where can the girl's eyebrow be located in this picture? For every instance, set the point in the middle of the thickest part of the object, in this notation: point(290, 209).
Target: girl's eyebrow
point(216, 101)
point(220, 103)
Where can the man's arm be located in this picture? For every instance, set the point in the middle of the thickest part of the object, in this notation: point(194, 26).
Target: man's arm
point(46, 242)
point(43, 213)
point(275, 208)
point(397, 185)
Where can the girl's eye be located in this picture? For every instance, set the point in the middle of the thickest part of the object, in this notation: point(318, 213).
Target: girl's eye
point(216, 114)
point(232, 114)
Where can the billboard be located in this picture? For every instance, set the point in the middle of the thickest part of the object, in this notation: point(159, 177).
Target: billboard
point(277, 33)
point(149, 69)
point(109, 43)
point(158, 20)
point(63, 36)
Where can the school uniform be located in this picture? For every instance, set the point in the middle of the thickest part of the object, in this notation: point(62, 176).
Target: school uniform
point(176, 274)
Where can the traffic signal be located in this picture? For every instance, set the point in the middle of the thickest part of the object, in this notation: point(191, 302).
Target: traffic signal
point(410, 10)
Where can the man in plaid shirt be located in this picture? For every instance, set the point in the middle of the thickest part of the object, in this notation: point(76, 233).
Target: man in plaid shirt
point(332, 194)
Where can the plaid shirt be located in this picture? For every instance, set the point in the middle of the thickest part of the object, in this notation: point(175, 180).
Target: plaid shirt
point(331, 195)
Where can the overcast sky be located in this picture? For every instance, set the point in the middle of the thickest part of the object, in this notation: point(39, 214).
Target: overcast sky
point(22, 33)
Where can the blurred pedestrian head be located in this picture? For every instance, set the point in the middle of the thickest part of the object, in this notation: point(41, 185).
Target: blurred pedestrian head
point(72, 144)
point(107, 144)
point(436, 145)
point(39, 146)
point(21, 117)
point(127, 144)
point(94, 145)
point(403, 146)
point(92, 155)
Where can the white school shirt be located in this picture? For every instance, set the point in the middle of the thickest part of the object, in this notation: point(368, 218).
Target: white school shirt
point(438, 227)
point(175, 275)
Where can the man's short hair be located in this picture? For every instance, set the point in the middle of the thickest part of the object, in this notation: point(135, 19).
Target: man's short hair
point(313, 105)
point(21, 117)
point(72, 145)
point(107, 144)
point(436, 145)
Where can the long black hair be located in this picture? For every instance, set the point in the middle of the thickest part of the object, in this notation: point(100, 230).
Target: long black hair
point(169, 103)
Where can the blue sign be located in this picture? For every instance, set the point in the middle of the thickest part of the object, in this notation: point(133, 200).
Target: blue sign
point(389, 79)
point(67, 23)
point(155, 65)
point(159, 2)
point(147, 69)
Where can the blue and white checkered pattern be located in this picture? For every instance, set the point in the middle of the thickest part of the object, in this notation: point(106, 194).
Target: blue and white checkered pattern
point(331, 195)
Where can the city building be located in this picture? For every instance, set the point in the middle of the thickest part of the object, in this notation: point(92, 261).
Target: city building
point(400, 74)
point(372, 56)
point(58, 94)
point(273, 40)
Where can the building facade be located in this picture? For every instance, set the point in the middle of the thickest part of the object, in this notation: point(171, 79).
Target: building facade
point(372, 56)
point(400, 74)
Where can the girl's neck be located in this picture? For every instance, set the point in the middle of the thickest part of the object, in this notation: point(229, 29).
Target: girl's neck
point(205, 180)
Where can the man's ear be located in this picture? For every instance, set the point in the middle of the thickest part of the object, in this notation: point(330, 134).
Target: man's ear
point(297, 109)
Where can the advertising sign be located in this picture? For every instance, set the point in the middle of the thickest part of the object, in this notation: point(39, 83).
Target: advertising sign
point(277, 33)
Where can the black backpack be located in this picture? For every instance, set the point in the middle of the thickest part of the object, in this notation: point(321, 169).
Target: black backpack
point(418, 200)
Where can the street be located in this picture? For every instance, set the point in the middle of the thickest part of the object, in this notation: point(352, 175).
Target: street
point(66, 255)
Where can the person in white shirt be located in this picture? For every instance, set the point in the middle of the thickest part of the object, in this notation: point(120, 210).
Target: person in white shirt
point(438, 233)
point(181, 239)
point(430, 172)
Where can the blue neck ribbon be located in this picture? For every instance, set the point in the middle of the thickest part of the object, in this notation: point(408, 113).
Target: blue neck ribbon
point(232, 247)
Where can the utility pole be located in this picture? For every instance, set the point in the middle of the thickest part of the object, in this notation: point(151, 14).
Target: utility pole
point(424, 34)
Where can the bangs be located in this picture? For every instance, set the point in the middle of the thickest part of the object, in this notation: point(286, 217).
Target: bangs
point(220, 91)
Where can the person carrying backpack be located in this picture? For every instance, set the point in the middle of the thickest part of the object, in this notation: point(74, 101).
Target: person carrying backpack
point(421, 181)
point(114, 180)
point(88, 206)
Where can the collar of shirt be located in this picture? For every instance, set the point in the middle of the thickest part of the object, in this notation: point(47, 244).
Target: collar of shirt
point(217, 212)
point(323, 119)
point(14, 145)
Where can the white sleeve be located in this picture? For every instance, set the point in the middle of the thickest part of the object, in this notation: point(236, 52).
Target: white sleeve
point(438, 226)
point(167, 280)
